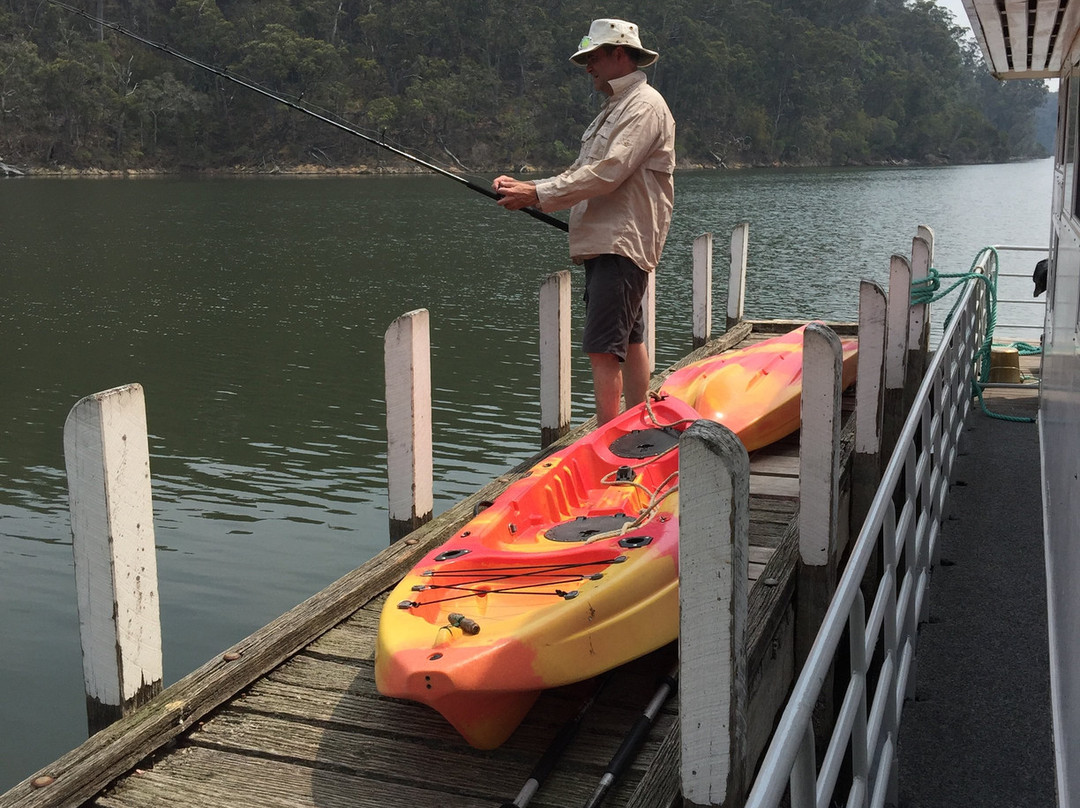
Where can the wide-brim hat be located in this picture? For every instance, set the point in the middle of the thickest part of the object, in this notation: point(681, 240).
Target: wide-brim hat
point(613, 32)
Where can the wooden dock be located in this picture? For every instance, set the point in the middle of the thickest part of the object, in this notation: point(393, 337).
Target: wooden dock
point(291, 717)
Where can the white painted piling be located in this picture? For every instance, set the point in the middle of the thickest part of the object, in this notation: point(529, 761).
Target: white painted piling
point(926, 233)
point(409, 467)
point(918, 339)
point(554, 357)
point(819, 481)
point(107, 456)
point(740, 250)
point(866, 460)
point(714, 525)
point(702, 289)
point(896, 349)
point(648, 304)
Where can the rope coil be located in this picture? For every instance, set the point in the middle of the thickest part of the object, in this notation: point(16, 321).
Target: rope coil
point(928, 290)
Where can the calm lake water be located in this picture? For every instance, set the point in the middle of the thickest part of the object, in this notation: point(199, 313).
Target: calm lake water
point(253, 311)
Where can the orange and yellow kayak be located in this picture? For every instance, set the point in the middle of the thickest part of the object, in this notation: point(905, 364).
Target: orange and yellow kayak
point(755, 392)
point(573, 570)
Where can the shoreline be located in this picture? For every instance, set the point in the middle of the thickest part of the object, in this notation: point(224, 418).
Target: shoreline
point(314, 170)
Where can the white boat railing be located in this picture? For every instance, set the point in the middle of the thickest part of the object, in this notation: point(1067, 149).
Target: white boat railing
point(1019, 313)
point(900, 532)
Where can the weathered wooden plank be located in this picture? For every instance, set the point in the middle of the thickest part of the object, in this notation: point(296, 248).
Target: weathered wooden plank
point(781, 507)
point(765, 485)
point(778, 464)
point(760, 555)
point(197, 777)
point(767, 535)
point(332, 746)
point(353, 639)
point(485, 776)
point(761, 514)
point(312, 689)
point(768, 328)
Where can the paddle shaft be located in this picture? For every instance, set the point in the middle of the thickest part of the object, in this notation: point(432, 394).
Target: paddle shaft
point(629, 747)
point(224, 73)
point(555, 750)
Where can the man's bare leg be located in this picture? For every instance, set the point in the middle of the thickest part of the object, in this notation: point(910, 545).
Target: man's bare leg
point(635, 374)
point(607, 385)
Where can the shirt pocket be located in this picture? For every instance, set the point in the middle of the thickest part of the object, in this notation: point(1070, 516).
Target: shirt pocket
point(596, 141)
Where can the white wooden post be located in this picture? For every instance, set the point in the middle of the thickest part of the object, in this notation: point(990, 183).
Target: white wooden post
point(112, 529)
point(740, 249)
point(896, 332)
point(554, 357)
point(648, 305)
point(714, 525)
point(918, 321)
point(819, 481)
point(409, 469)
point(866, 460)
point(702, 295)
point(926, 233)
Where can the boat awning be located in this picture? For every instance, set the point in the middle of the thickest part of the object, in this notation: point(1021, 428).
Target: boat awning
point(1024, 39)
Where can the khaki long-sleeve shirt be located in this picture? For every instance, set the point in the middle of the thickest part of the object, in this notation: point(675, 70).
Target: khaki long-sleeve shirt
point(620, 189)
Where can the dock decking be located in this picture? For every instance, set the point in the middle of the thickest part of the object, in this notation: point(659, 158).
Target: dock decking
point(979, 730)
point(291, 717)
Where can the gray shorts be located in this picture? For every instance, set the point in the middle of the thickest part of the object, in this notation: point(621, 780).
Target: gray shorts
point(614, 287)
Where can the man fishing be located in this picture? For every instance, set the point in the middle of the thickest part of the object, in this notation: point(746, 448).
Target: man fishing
point(620, 193)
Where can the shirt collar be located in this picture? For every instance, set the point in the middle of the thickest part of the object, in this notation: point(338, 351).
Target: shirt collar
point(624, 83)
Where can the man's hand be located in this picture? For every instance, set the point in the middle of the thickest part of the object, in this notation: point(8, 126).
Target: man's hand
point(516, 194)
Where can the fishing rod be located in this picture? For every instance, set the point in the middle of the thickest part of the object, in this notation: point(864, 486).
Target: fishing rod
point(225, 74)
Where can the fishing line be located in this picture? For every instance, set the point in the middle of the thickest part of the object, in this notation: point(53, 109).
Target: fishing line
point(250, 85)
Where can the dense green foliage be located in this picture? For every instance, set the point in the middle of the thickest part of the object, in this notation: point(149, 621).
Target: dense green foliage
point(485, 84)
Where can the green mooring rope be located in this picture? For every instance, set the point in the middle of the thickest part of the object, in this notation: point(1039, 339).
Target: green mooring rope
point(928, 290)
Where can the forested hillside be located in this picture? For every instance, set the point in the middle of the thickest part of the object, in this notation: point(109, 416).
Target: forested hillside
point(486, 84)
